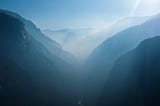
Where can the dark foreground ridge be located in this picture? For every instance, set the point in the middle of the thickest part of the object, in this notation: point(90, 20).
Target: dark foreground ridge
point(135, 77)
point(30, 73)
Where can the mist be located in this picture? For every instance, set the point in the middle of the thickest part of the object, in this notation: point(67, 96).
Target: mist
point(79, 53)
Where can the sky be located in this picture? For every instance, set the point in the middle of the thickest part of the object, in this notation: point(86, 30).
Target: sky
point(97, 15)
point(59, 14)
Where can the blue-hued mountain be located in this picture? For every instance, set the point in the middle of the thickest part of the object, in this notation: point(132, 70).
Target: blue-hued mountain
point(31, 74)
point(126, 40)
point(36, 33)
point(71, 38)
point(101, 60)
point(134, 78)
point(64, 36)
point(123, 24)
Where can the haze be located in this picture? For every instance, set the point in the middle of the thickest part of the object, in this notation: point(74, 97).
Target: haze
point(95, 14)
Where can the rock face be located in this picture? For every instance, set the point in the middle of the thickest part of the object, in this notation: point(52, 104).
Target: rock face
point(30, 73)
point(101, 60)
point(125, 41)
point(52, 46)
point(135, 77)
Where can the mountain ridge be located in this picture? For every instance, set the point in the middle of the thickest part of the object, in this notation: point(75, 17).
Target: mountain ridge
point(134, 79)
point(30, 73)
point(47, 42)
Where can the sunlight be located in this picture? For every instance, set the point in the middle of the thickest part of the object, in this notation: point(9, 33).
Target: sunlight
point(146, 7)
point(153, 2)
point(135, 7)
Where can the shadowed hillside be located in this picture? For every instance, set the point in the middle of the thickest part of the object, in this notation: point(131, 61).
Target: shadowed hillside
point(134, 79)
point(30, 73)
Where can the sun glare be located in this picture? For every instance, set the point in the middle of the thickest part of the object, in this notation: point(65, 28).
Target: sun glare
point(153, 2)
point(145, 7)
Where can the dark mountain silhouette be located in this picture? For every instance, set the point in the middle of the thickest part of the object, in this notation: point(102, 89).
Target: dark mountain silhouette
point(134, 79)
point(52, 46)
point(103, 57)
point(30, 72)
point(124, 41)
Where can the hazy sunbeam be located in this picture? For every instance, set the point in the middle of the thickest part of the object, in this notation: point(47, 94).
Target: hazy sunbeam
point(135, 7)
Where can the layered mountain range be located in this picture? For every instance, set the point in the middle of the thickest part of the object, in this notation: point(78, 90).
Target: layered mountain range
point(102, 59)
point(121, 71)
point(90, 38)
point(134, 78)
point(34, 69)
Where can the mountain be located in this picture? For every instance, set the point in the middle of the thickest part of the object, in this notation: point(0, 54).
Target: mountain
point(36, 33)
point(124, 23)
point(30, 73)
point(134, 79)
point(63, 36)
point(71, 38)
point(124, 41)
point(106, 53)
point(101, 60)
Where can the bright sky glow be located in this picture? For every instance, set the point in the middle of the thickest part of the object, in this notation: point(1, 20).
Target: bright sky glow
point(98, 15)
point(58, 14)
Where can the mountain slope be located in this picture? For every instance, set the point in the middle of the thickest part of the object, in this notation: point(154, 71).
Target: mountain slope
point(30, 73)
point(70, 39)
point(105, 54)
point(101, 60)
point(134, 79)
point(52, 46)
point(124, 41)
